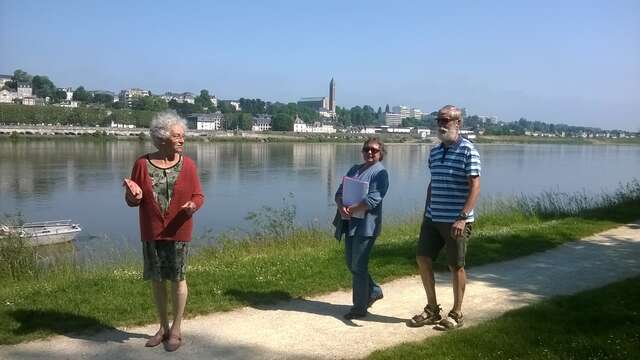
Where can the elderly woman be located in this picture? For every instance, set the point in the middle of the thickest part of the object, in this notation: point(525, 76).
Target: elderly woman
point(164, 185)
point(361, 223)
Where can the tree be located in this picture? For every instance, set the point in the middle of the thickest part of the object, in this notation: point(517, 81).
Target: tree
point(81, 94)
point(184, 109)
point(242, 121)
point(204, 100)
point(59, 96)
point(43, 87)
point(106, 99)
point(282, 122)
point(149, 103)
point(19, 76)
point(225, 107)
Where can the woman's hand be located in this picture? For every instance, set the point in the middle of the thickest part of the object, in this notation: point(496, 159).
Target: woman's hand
point(189, 207)
point(344, 211)
point(133, 191)
point(358, 207)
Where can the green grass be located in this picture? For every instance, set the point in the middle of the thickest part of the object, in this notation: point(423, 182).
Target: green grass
point(602, 323)
point(306, 262)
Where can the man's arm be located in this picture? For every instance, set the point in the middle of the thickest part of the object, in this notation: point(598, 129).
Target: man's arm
point(474, 192)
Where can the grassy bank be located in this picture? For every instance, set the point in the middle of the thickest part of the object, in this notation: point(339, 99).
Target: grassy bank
point(597, 324)
point(287, 262)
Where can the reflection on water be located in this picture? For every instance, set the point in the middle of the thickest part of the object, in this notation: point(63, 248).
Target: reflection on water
point(55, 179)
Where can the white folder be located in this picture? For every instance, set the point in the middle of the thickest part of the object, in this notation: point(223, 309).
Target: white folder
point(353, 192)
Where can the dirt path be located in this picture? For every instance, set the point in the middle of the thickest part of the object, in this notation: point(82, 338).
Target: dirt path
point(313, 328)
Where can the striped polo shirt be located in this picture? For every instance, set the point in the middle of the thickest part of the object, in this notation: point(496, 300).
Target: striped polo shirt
point(450, 170)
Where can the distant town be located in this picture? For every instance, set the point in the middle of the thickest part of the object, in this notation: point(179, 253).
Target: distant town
point(21, 93)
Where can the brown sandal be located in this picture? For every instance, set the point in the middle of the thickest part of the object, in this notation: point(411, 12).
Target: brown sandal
point(452, 321)
point(173, 343)
point(156, 339)
point(430, 316)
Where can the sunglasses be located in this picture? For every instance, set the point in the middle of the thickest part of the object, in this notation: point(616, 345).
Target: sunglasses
point(373, 150)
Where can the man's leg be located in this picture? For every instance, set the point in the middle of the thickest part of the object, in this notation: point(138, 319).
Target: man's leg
point(429, 244)
point(459, 277)
point(425, 265)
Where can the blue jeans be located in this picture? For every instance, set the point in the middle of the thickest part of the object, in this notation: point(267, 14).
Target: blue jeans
point(357, 250)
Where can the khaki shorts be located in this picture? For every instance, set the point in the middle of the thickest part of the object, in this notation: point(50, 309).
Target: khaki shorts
point(435, 235)
point(165, 260)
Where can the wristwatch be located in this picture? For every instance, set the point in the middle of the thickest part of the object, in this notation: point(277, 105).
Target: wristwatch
point(464, 215)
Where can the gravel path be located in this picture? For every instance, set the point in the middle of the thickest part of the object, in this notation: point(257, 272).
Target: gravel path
point(313, 327)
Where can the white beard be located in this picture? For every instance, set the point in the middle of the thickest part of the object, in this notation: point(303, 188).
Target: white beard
point(447, 136)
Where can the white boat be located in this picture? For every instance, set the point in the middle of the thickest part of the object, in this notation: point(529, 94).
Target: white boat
point(44, 232)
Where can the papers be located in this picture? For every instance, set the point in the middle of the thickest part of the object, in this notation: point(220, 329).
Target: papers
point(353, 192)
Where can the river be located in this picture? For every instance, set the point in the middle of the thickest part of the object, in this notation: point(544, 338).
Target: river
point(81, 180)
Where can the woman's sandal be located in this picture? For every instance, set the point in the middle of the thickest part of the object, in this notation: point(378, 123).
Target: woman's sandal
point(452, 321)
point(173, 343)
point(157, 339)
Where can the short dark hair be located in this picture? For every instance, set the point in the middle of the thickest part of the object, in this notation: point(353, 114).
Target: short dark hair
point(376, 140)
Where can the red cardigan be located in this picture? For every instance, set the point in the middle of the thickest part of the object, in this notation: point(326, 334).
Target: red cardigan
point(176, 225)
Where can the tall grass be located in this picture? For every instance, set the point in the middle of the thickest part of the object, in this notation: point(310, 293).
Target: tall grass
point(554, 204)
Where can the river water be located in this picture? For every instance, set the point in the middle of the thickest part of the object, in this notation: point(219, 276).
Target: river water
point(81, 180)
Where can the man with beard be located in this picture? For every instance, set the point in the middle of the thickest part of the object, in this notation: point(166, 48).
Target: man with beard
point(451, 197)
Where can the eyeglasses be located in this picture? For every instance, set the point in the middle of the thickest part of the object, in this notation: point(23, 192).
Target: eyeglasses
point(373, 150)
point(444, 120)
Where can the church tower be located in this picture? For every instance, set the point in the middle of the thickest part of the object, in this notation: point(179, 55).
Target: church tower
point(332, 96)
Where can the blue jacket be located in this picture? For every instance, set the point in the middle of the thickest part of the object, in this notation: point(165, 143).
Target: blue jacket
point(378, 179)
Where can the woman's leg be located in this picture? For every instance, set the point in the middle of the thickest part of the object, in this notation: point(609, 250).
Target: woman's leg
point(160, 299)
point(179, 294)
point(348, 251)
point(362, 285)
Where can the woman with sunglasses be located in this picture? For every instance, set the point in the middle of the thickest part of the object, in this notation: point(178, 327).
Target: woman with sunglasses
point(361, 223)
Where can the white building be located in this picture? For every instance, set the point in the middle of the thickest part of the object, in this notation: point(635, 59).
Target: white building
point(185, 97)
point(121, 126)
point(423, 132)
point(32, 100)
point(261, 122)
point(214, 100)
point(317, 127)
point(369, 130)
point(416, 113)
point(235, 105)
point(4, 79)
point(24, 90)
point(68, 104)
point(326, 113)
point(127, 96)
point(402, 110)
point(209, 122)
point(396, 130)
point(392, 119)
point(68, 91)
point(7, 96)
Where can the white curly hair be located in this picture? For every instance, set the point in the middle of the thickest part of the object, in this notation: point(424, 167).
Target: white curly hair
point(161, 126)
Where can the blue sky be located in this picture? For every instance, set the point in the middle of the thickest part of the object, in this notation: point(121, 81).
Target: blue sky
point(574, 62)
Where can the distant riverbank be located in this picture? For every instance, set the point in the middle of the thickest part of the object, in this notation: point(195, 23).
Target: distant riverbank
point(141, 134)
point(109, 134)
